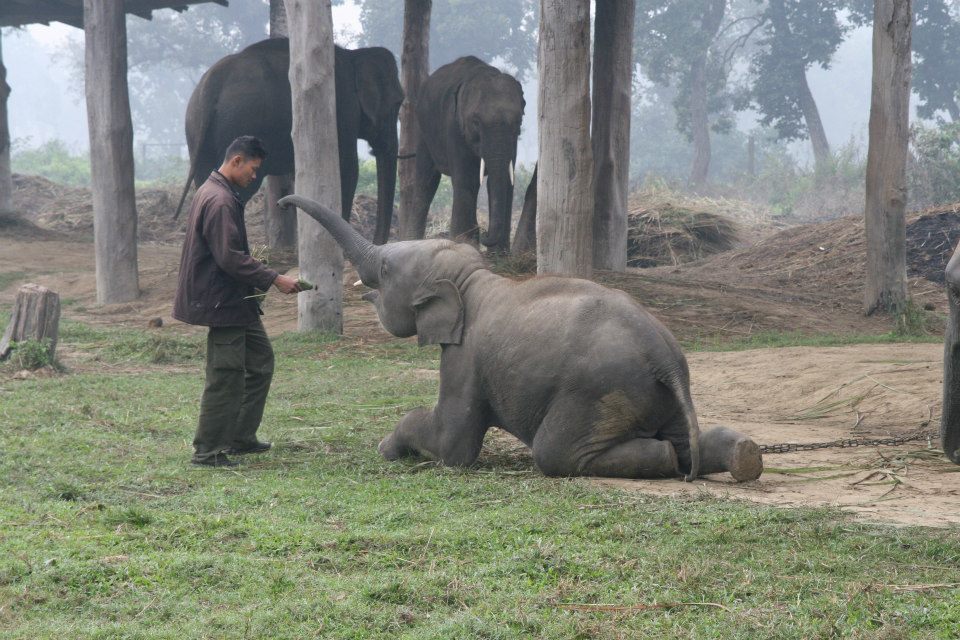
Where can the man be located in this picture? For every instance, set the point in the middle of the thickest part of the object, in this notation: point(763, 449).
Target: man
point(217, 276)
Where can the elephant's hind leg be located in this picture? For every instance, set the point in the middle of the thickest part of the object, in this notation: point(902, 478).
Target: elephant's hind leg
point(572, 441)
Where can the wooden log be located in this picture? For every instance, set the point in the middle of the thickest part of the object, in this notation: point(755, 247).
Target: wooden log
point(35, 316)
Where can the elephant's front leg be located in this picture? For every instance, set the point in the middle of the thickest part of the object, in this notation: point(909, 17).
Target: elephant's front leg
point(451, 432)
point(466, 184)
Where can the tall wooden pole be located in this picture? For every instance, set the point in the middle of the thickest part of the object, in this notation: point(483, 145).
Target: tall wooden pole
point(6, 177)
point(280, 225)
point(318, 164)
point(612, 88)
point(414, 69)
point(886, 184)
point(111, 151)
point(565, 169)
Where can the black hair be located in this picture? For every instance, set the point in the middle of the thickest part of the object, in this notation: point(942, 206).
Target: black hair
point(247, 146)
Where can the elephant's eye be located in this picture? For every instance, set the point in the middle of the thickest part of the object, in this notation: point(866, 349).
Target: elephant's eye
point(383, 268)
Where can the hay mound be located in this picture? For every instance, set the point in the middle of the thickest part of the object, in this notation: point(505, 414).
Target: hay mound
point(671, 235)
point(831, 256)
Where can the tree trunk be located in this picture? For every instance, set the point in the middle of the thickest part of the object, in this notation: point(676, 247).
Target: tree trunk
point(699, 94)
point(414, 67)
point(811, 115)
point(886, 188)
point(111, 151)
point(280, 224)
point(525, 240)
point(612, 88)
point(6, 177)
point(318, 164)
point(35, 316)
point(565, 166)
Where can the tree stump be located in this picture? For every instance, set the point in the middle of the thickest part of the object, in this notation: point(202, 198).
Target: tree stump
point(36, 316)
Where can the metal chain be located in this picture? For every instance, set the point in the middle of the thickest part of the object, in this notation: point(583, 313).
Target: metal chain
point(788, 447)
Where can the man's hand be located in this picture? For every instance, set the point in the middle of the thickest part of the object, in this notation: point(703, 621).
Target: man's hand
point(286, 284)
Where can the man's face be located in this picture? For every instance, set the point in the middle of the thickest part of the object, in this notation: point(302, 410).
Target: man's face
point(247, 170)
point(242, 171)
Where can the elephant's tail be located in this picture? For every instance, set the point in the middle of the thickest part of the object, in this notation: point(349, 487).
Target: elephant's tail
point(186, 187)
point(680, 387)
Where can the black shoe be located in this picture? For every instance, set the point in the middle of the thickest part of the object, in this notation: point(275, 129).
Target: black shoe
point(256, 447)
point(217, 460)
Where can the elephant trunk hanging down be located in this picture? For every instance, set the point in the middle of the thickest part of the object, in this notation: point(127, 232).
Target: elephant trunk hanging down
point(581, 374)
point(950, 418)
point(248, 93)
point(469, 115)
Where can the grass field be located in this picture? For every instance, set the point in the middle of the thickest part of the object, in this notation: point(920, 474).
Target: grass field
point(107, 532)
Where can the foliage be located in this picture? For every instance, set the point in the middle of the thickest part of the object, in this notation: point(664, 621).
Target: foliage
point(911, 321)
point(502, 31)
point(829, 190)
point(32, 354)
point(54, 161)
point(168, 54)
point(933, 167)
point(936, 51)
point(794, 35)
point(107, 532)
point(669, 40)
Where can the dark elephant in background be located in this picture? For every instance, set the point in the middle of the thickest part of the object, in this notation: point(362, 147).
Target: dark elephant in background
point(583, 375)
point(469, 114)
point(950, 417)
point(248, 93)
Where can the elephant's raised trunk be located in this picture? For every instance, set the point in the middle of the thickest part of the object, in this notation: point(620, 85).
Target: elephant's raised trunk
point(364, 255)
point(386, 189)
point(500, 203)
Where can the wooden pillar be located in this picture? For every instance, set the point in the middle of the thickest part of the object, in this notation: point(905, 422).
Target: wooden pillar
point(280, 224)
point(318, 163)
point(414, 69)
point(111, 151)
point(886, 184)
point(612, 88)
point(6, 178)
point(565, 169)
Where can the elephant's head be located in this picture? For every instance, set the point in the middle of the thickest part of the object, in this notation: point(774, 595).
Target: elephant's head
point(490, 111)
point(380, 96)
point(417, 282)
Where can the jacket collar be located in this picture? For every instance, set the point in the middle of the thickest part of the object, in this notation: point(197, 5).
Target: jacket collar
point(220, 179)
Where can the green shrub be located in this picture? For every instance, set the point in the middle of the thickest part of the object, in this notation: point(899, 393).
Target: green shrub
point(54, 161)
point(933, 167)
point(32, 354)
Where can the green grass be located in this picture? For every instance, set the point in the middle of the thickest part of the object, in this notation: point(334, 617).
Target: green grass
point(9, 278)
point(778, 339)
point(107, 532)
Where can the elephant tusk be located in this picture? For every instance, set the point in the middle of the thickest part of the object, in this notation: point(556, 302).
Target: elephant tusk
point(511, 172)
point(481, 172)
point(358, 283)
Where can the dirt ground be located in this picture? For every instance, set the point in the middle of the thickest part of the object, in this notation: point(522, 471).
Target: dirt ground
point(797, 395)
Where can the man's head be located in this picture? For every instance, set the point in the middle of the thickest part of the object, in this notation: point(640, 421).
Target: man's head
point(242, 160)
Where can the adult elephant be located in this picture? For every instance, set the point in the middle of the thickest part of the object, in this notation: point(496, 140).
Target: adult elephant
point(950, 415)
point(248, 93)
point(582, 374)
point(469, 114)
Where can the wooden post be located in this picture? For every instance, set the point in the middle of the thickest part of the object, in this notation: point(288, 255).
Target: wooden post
point(111, 151)
point(6, 176)
point(565, 180)
point(318, 164)
point(612, 88)
point(414, 69)
point(886, 184)
point(280, 224)
point(35, 316)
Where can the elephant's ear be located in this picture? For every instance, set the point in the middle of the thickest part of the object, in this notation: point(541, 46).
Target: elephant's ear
point(439, 311)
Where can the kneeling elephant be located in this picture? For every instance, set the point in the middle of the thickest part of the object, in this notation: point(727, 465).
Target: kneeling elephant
point(582, 374)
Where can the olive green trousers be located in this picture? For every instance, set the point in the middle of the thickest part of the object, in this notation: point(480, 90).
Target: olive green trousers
point(239, 371)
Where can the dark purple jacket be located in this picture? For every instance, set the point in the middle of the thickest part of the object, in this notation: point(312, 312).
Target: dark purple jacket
point(216, 270)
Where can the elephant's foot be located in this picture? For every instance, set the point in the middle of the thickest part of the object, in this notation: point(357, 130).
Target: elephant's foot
point(395, 446)
point(723, 449)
